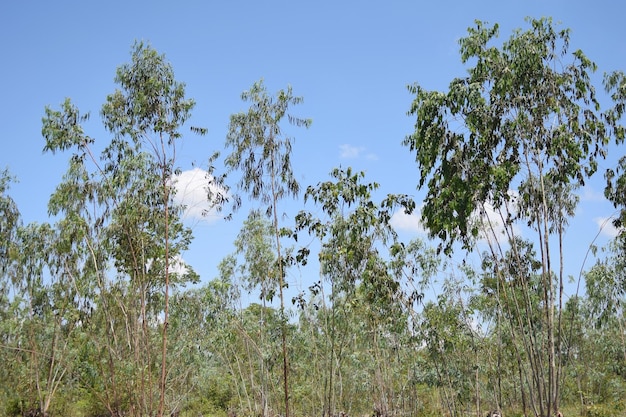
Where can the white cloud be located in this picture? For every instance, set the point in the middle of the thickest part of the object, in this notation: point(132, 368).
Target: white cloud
point(354, 152)
point(407, 222)
point(349, 151)
point(192, 192)
point(606, 226)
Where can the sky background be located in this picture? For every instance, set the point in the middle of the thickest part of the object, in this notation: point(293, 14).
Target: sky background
point(350, 60)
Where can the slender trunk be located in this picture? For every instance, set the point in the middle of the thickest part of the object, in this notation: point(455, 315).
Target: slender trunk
point(166, 198)
point(550, 302)
point(519, 320)
point(264, 390)
point(110, 398)
point(34, 350)
point(283, 319)
point(237, 375)
point(559, 322)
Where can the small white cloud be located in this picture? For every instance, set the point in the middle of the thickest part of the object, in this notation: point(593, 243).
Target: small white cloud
point(350, 152)
point(606, 226)
point(192, 188)
point(354, 152)
point(407, 222)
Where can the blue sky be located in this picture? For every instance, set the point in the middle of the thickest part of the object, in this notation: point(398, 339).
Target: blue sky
point(350, 60)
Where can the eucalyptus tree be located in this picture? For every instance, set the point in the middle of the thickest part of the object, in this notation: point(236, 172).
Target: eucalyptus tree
point(81, 218)
point(515, 137)
point(350, 236)
point(120, 207)
point(148, 113)
point(261, 150)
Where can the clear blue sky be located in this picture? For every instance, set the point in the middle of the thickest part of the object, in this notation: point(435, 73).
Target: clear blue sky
point(350, 60)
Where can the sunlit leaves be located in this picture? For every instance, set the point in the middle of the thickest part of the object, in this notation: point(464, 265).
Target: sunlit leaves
point(151, 100)
point(62, 129)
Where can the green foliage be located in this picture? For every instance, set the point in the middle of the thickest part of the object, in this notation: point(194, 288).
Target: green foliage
point(513, 111)
point(96, 320)
point(258, 267)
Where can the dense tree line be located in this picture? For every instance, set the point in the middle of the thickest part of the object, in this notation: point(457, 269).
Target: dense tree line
point(96, 319)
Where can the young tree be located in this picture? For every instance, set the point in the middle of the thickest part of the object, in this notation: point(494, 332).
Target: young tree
point(523, 120)
point(350, 237)
point(259, 269)
point(262, 152)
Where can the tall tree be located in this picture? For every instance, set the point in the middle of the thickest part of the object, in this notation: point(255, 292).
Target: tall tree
point(150, 110)
point(262, 152)
point(121, 208)
point(522, 119)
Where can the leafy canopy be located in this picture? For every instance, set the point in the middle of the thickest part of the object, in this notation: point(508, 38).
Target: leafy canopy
point(520, 113)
